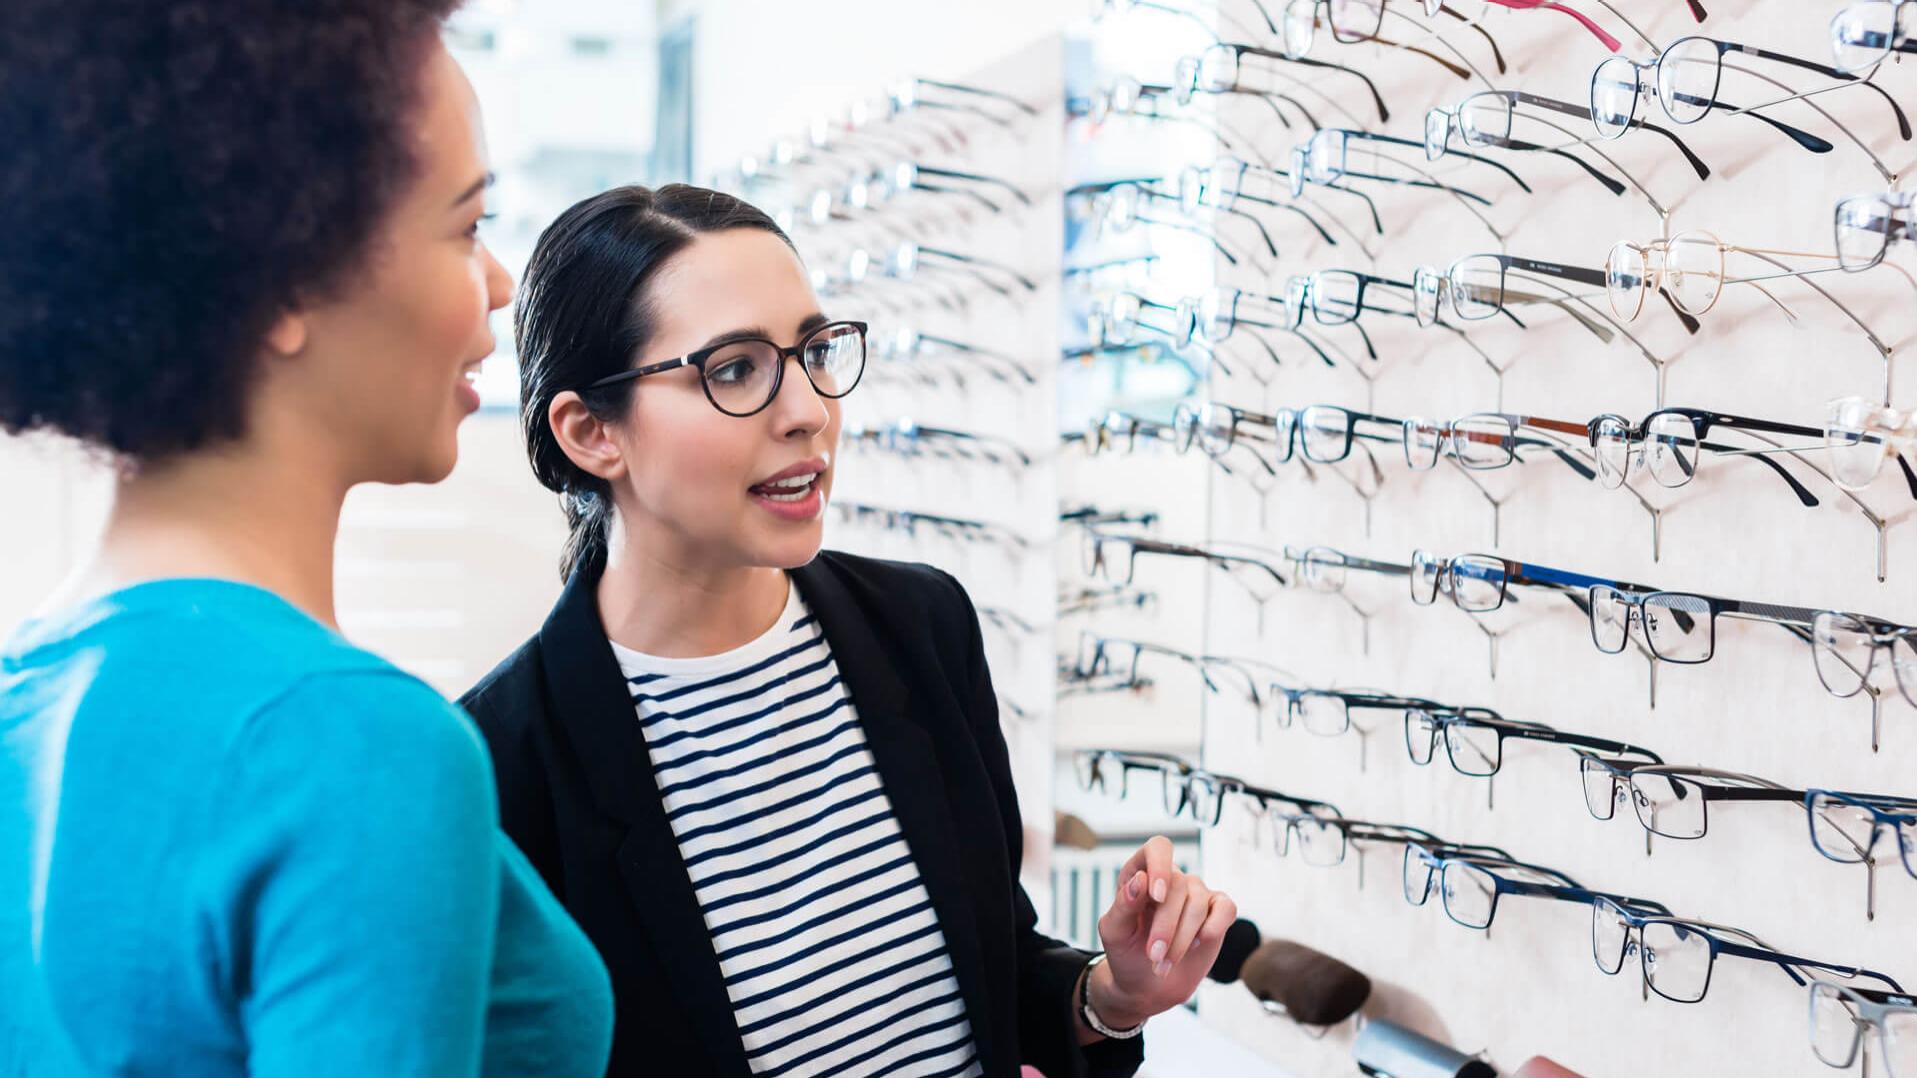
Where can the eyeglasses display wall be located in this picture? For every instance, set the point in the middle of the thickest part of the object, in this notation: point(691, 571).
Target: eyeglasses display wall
point(1475, 491)
point(1566, 407)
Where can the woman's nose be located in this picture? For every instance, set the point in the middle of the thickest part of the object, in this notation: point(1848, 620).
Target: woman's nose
point(799, 409)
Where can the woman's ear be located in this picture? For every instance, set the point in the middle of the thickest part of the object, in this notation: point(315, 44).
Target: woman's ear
point(585, 438)
point(287, 335)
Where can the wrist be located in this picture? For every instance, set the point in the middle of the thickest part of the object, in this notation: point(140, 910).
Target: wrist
point(1113, 1007)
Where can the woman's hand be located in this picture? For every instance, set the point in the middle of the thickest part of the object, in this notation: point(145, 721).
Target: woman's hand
point(1161, 936)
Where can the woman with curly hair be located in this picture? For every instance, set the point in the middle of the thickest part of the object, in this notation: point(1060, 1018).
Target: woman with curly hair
point(241, 263)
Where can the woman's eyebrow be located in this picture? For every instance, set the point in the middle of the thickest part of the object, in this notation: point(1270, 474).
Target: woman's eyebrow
point(478, 185)
point(806, 325)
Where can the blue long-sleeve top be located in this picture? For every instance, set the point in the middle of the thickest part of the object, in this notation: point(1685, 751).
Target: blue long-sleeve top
point(232, 843)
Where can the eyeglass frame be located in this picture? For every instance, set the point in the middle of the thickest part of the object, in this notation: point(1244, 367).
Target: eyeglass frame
point(698, 359)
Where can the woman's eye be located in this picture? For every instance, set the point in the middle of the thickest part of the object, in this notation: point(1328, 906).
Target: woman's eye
point(473, 230)
point(730, 371)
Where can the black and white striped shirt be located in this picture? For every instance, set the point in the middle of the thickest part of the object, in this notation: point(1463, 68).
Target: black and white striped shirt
point(832, 955)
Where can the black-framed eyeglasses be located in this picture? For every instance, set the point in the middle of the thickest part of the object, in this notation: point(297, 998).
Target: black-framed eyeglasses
point(1487, 118)
point(1670, 801)
point(1354, 21)
point(1471, 889)
point(742, 377)
point(1325, 433)
point(1841, 1017)
point(1474, 738)
point(1685, 79)
point(1676, 956)
point(1327, 712)
point(1114, 558)
point(1667, 444)
point(1216, 427)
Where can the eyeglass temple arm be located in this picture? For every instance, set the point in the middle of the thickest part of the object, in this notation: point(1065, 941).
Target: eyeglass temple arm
point(1299, 210)
point(1566, 108)
point(1372, 136)
point(1497, 54)
point(1377, 223)
point(1903, 121)
point(1384, 114)
point(1562, 738)
point(1610, 184)
point(1611, 43)
point(977, 91)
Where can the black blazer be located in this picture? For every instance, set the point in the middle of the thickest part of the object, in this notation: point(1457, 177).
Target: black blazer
point(576, 792)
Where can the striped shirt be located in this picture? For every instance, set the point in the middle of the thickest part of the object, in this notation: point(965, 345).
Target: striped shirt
point(832, 955)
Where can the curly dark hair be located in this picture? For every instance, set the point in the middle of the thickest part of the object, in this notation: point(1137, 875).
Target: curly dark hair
point(174, 176)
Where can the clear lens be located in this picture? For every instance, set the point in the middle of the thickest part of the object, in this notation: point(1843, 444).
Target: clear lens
point(1323, 714)
point(1477, 287)
point(1679, 627)
point(1470, 893)
point(1326, 433)
point(1320, 842)
point(1903, 664)
point(1322, 570)
point(1864, 225)
point(1184, 81)
point(1421, 730)
point(1477, 582)
point(1484, 119)
point(1694, 271)
point(1614, 92)
point(1841, 647)
point(1121, 318)
point(1484, 440)
point(1610, 933)
point(1625, 276)
point(1218, 69)
point(1225, 181)
point(1427, 285)
point(1900, 1042)
point(1417, 877)
point(1437, 132)
point(1356, 20)
point(1177, 793)
point(1191, 190)
point(1687, 76)
point(1422, 441)
point(1667, 805)
point(1301, 18)
point(1085, 766)
point(1184, 425)
point(1610, 619)
point(1207, 799)
point(1287, 434)
point(1861, 35)
point(1677, 959)
point(1215, 428)
point(1835, 1026)
point(1612, 448)
point(1840, 830)
point(1215, 316)
point(1670, 448)
point(1425, 570)
point(1474, 748)
point(1600, 787)
point(1326, 158)
point(739, 377)
point(1334, 296)
point(1855, 456)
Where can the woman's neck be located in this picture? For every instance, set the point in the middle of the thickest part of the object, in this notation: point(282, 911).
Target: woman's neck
point(678, 609)
point(236, 515)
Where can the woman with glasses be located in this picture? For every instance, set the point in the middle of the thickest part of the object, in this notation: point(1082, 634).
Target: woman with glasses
point(768, 780)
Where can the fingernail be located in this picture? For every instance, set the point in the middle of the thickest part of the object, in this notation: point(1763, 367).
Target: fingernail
point(1158, 952)
point(1159, 887)
point(1162, 968)
point(1131, 889)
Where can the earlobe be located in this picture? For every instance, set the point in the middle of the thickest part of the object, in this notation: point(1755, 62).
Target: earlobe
point(287, 335)
point(585, 439)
